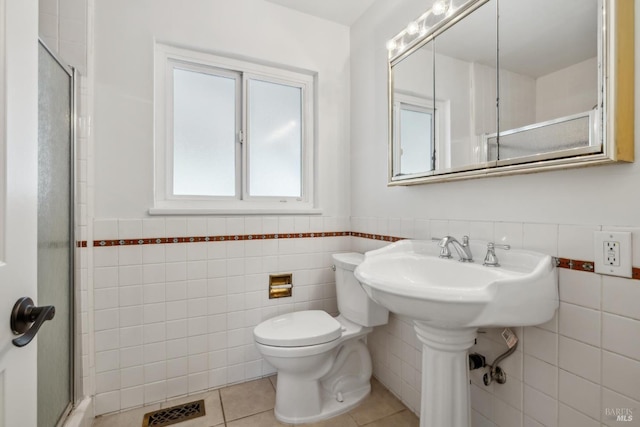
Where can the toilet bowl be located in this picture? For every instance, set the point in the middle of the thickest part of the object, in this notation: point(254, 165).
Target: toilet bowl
point(323, 364)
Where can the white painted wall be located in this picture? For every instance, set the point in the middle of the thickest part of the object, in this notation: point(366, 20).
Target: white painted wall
point(567, 91)
point(517, 100)
point(565, 372)
point(556, 197)
point(254, 29)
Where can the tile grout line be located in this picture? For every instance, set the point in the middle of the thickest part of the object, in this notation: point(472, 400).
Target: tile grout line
point(224, 416)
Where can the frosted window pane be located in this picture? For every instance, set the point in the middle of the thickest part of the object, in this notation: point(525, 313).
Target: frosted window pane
point(204, 134)
point(275, 138)
point(55, 247)
point(550, 137)
point(416, 141)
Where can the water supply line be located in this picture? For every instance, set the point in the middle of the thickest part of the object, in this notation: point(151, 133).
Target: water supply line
point(495, 371)
point(478, 361)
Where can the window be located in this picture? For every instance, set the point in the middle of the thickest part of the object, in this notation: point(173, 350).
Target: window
point(421, 129)
point(231, 136)
point(416, 138)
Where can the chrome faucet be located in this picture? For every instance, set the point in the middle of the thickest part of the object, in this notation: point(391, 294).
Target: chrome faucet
point(463, 249)
point(491, 260)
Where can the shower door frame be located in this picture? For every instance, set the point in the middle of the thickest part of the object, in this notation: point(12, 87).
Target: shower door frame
point(75, 352)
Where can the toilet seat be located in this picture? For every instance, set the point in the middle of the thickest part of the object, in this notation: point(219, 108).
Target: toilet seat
point(298, 329)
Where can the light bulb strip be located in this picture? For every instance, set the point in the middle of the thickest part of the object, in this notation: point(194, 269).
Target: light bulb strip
point(417, 29)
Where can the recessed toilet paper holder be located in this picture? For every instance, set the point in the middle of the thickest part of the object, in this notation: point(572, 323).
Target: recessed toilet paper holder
point(280, 285)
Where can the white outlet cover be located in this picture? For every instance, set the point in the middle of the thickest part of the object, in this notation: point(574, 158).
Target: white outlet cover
point(624, 239)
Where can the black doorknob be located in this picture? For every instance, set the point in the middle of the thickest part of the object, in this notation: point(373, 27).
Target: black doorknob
point(25, 313)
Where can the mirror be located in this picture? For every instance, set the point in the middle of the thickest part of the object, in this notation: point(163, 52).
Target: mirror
point(474, 92)
point(414, 113)
point(548, 80)
point(466, 62)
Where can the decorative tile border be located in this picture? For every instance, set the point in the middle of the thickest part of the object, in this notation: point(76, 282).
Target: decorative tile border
point(570, 264)
point(376, 237)
point(574, 264)
point(224, 238)
point(589, 267)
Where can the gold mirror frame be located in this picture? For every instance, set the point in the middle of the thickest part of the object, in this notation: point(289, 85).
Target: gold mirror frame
point(617, 85)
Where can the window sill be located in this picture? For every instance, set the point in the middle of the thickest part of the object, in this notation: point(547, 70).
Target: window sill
point(238, 212)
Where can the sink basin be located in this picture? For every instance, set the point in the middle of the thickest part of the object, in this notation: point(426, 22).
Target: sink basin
point(410, 279)
point(448, 300)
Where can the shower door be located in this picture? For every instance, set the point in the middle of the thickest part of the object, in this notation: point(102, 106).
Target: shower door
point(55, 235)
point(18, 202)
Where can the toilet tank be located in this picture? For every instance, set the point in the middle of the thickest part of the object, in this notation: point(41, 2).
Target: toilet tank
point(353, 302)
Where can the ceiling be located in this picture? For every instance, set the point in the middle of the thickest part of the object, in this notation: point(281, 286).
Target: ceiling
point(344, 12)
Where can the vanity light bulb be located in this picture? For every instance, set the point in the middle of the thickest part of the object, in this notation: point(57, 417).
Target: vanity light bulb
point(413, 28)
point(439, 7)
point(391, 45)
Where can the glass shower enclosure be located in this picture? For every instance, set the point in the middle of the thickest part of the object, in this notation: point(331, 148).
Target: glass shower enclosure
point(56, 135)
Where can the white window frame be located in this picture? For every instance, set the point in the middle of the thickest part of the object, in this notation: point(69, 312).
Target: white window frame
point(165, 202)
point(404, 106)
point(441, 122)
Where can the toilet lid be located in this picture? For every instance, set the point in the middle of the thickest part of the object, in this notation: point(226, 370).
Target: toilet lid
point(298, 329)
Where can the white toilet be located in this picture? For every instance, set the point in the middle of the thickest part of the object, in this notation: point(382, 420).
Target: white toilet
point(323, 364)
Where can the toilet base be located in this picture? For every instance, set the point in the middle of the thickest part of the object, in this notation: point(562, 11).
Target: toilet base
point(344, 381)
point(330, 406)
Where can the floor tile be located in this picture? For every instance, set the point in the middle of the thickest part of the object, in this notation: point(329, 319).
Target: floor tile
point(379, 404)
point(404, 418)
point(132, 418)
point(344, 420)
point(246, 399)
point(212, 405)
point(251, 405)
point(263, 419)
point(274, 381)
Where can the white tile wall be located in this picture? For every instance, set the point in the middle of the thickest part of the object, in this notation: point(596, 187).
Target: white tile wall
point(63, 28)
point(539, 407)
point(175, 319)
point(566, 372)
point(580, 359)
point(580, 394)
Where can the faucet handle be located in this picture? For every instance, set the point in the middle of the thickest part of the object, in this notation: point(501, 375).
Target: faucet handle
point(445, 252)
point(496, 245)
point(491, 259)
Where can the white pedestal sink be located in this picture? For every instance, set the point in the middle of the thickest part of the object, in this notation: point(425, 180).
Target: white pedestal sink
point(448, 300)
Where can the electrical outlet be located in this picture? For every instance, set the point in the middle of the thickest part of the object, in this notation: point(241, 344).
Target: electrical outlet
point(613, 253)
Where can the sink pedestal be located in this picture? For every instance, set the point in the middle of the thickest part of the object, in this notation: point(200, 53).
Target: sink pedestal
point(445, 375)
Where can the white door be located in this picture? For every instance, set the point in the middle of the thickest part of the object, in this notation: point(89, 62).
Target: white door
point(18, 202)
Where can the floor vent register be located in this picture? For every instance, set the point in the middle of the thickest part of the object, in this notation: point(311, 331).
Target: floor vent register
point(175, 414)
